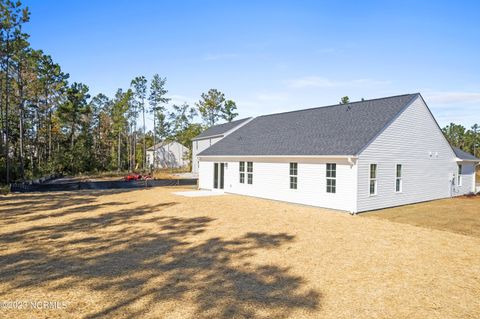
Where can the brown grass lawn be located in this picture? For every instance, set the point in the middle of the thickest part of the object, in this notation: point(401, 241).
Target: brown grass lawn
point(459, 215)
point(153, 254)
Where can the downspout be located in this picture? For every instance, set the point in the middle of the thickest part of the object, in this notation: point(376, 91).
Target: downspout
point(354, 166)
point(475, 177)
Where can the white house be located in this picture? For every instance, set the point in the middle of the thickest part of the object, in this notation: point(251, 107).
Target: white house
point(210, 136)
point(168, 155)
point(355, 157)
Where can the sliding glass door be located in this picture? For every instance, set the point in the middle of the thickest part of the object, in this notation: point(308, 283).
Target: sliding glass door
point(218, 175)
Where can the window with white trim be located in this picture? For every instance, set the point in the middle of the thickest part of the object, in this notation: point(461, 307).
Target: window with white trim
point(459, 175)
point(293, 175)
point(242, 172)
point(398, 178)
point(331, 178)
point(250, 172)
point(373, 179)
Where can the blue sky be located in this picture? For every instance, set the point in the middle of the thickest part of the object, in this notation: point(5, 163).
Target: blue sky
point(272, 56)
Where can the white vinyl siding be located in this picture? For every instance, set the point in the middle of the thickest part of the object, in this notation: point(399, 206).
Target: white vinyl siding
point(272, 180)
point(205, 175)
point(467, 184)
point(201, 145)
point(414, 140)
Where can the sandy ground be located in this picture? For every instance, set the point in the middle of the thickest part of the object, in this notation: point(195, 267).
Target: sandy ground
point(153, 254)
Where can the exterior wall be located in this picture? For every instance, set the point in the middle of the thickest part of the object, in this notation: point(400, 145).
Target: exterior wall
point(200, 145)
point(169, 155)
point(428, 162)
point(468, 179)
point(205, 175)
point(271, 179)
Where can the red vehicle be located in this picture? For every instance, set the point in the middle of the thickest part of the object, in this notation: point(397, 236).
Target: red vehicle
point(132, 177)
point(136, 177)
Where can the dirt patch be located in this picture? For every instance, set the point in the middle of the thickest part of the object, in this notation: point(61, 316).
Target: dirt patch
point(152, 254)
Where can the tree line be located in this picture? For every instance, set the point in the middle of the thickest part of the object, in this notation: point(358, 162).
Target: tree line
point(466, 139)
point(49, 124)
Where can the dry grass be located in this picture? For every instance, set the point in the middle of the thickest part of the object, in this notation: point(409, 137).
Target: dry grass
point(169, 173)
point(152, 254)
point(460, 215)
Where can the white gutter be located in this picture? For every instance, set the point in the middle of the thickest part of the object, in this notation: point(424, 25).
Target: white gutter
point(207, 137)
point(349, 157)
point(466, 160)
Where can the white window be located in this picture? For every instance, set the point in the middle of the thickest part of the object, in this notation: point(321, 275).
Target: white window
point(373, 179)
point(250, 172)
point(331, 178)
point(242, 172)
point(459, 175)
point(293, 175)
point(398, 178)
point(196, 145)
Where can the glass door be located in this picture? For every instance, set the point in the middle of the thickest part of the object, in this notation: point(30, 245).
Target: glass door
point(218, 175)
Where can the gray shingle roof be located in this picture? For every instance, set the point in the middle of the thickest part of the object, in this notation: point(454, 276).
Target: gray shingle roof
point(464, 155)
point(330, 130)
point(219, 129)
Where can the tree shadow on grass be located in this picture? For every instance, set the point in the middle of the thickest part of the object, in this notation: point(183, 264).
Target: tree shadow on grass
point(144, 256)
point(25, 207)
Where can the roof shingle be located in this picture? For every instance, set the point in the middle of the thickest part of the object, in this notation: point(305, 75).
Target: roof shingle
point(464, 155)
point(219, 129)
point(331, 130)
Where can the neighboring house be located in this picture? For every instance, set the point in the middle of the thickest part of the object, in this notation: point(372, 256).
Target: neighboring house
point(355, 157)
point(168, 155)
point(212, 135)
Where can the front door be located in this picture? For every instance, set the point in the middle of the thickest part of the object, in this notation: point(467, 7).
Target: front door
point(218, 175)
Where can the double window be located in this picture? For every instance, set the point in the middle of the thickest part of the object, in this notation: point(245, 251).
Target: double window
point(459, 175)
point(373, 179)
point(331, 178)
point(242, 172)
point(293, 175)
point(398, 178)
point(250, 172)
point(241, 169)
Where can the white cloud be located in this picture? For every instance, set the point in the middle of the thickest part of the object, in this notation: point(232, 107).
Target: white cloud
point(222, 56)
point(322, 82)
point(452, 97)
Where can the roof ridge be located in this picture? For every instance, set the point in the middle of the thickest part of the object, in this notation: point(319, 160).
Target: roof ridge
point(333, 105)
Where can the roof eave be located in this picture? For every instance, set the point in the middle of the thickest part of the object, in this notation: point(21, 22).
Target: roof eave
point(281, 156)
point(207, 137)
point(458, 159)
